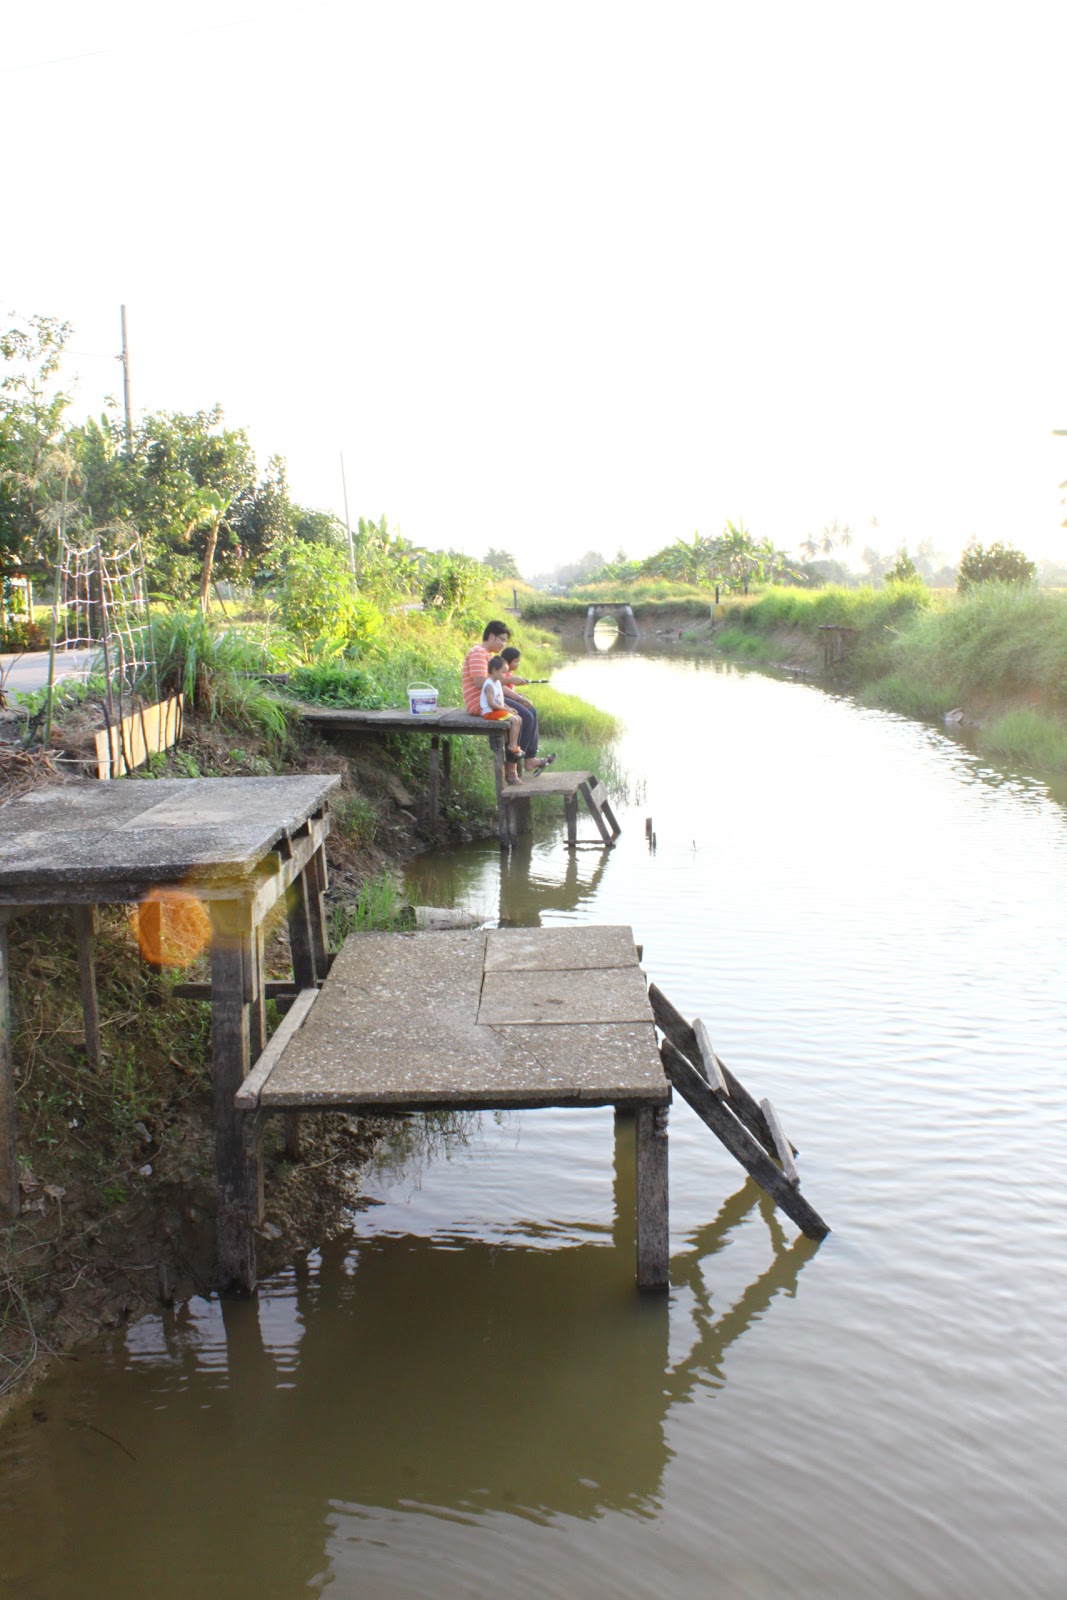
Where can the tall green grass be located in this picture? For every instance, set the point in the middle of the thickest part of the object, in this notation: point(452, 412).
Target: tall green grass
point(213, 666)
point(870, 611)
point(1027, 738)
point(993, 640)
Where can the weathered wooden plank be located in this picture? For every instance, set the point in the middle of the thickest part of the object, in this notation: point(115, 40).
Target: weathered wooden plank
point(298, 917)
point(257, 1016)
point(86, 923)
point(273, 989)
point(781, 1143)
point(740, 1143)
point(317, 884)
point(144, 733)
point(653, 1218)
point(247, 1096)
point(555, 782)
point(150, 933)
point(9, 1170)
point(670, 1021)
point(237, 1165)
point(586, 792)
point(598, 792)
point(612, 819)
point(708, 1064)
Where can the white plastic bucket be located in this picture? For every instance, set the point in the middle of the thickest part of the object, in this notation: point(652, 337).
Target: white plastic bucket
point(422, 698)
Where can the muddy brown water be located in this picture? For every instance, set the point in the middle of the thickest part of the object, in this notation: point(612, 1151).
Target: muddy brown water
point(466, 1397)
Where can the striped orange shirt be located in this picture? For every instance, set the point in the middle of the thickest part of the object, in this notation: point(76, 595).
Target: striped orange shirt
point(475, 671)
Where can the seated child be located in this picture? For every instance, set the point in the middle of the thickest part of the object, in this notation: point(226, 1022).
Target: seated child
point(511, 658)
point(494, 710)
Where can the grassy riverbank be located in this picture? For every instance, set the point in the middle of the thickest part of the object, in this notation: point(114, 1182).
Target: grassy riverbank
point(998, 653)
point(116, 1167)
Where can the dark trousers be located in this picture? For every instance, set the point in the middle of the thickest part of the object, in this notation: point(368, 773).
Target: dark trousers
point(528, 731)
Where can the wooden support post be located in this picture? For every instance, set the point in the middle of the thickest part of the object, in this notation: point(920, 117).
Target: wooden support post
point(86, 925)
point(150, 933)
point(237, 1156)
point(570, 812)
point(740, 1143)
point(434, 795)
point(257, 1019)
point(291, 1135)
point(316, 877)
point(496, 743)
point(298, 915)
point(9, 1167)
point(446, 767)
point(653, 1237)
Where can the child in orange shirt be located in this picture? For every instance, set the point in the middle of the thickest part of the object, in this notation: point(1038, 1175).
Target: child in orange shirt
point(494, 710)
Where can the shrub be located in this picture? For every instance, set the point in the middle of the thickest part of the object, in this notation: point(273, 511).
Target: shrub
point(1000, 563)
point(319, 599)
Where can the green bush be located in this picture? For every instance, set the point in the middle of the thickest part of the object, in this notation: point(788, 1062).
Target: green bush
point(319, 599)
point(999, 563)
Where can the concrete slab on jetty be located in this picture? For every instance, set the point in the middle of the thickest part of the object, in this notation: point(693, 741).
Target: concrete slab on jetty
point(175, 830)
point(403, 1022)
point(536, 949)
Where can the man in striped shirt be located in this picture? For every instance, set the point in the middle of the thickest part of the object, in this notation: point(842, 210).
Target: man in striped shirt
point(475, 673)
point(476, 664)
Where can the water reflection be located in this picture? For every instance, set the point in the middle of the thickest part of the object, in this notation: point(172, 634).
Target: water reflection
point(451, 1377)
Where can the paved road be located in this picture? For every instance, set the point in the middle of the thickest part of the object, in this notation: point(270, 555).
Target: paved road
point(19, 674)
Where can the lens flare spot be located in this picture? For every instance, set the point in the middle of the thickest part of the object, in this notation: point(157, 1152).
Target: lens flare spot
point(173, 928)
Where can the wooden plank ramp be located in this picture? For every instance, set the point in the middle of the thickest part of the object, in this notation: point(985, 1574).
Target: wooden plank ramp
point(751, 1131)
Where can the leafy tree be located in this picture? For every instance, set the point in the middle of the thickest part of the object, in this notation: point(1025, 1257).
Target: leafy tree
point(32, 410)
point(454, 585)
point(999, 563)
point(903, 569)
point(502, 563)
point(319, 600)
point(387, 566)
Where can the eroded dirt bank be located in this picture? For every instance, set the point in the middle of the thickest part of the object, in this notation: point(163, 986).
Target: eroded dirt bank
point(116, 1168)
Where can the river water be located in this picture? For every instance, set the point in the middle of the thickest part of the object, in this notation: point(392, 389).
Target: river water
point(467, 1398)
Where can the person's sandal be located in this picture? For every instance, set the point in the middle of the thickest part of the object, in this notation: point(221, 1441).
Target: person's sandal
point(516, 781)
point(539, 764)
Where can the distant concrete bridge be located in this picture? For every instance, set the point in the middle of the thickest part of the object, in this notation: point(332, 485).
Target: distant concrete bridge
point(622, 613)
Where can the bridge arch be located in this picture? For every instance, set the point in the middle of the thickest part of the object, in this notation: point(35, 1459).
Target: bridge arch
point(622, 613)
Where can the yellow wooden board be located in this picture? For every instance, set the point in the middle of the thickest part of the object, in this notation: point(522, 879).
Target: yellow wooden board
point(143, 734)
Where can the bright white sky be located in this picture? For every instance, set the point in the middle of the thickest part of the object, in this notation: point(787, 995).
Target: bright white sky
point(570, 275)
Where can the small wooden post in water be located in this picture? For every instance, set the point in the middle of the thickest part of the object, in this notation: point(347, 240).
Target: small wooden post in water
point(237, 1162)
point(653, 1240)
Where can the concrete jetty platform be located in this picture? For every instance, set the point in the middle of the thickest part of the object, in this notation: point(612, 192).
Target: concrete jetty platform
point(486, 1020)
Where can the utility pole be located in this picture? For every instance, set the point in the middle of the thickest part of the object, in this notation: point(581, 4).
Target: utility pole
point(125, 359)
point(348, 525)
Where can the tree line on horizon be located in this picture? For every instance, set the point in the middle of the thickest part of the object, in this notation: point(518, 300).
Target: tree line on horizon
point(188, 490)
